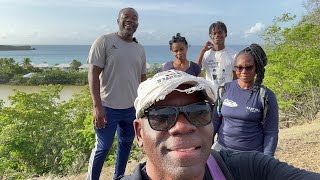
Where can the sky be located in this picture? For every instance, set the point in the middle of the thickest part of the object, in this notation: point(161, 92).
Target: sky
point(80, 22)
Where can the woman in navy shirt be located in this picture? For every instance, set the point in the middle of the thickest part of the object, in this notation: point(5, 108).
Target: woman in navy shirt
point(179, 48)
point(240, 128)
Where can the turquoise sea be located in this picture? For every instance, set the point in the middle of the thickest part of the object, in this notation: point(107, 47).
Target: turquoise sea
point(64, 54)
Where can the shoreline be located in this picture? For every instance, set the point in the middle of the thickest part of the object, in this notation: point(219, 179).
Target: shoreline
point(16, 48)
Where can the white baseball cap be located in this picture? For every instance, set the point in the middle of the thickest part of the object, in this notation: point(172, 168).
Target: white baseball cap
point(161, 84)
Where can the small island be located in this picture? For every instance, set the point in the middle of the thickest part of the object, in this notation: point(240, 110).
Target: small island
point(13, 48)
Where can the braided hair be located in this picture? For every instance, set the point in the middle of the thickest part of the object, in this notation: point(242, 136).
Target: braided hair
point(260, 61)
point(217, 24)
point(178, 38)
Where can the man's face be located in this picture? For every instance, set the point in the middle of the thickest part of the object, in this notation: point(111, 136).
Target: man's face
point(218, 36)
point(180, 152)
point(128, 22)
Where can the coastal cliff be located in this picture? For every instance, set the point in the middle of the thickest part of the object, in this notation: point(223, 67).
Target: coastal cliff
point(12, 48)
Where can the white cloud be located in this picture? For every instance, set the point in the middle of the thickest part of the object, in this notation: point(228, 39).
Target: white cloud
point(4, 36)
point(258, 27)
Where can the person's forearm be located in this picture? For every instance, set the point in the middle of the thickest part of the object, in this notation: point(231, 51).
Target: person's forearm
point(200, 57)
point(143, 77)
point(94, 85)
point(270, 143)
point(271, 126)
point(206, 47)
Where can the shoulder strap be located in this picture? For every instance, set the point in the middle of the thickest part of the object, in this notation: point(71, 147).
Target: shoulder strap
point(265, 102)
point(221, 164)
point(214, 168)
point(219, 105)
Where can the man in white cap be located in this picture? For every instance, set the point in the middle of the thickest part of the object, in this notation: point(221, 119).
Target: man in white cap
point(174, 128)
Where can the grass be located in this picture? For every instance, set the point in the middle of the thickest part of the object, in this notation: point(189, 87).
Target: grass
point(298, 146)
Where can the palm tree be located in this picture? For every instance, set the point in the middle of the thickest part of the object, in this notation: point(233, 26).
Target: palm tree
point(26, 63)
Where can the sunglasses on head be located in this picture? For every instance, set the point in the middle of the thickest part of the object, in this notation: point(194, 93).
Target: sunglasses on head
point(240, 68)
point(163, 118)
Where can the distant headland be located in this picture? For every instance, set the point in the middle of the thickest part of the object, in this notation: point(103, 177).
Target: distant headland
point(12, 48)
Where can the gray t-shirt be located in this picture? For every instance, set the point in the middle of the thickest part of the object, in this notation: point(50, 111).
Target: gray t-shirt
point(123, 64)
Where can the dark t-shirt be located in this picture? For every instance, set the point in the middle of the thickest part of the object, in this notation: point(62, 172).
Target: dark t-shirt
point(256, 165)
point(193, 69)
point(246, 166)
point(140, 173)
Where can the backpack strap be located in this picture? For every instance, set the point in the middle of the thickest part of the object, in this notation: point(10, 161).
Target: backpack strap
point(265, 102)
point(219, 105)
point(219, 162)
point(214, 168)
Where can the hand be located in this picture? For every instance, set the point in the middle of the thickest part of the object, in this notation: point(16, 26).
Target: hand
point(208, 45)
point(99, 117)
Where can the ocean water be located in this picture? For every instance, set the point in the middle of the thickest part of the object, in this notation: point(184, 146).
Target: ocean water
point(64, 54)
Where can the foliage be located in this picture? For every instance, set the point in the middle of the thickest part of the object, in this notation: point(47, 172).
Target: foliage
point(313, 9)
point(154, 69)
point(58, 77)
point(8, 68)
point(36, 119)
point(12, 73)
point(40, 135)
point(79, 143)
point(293, 55)
point(74, 65)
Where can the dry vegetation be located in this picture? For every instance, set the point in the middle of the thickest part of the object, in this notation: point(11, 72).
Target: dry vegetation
point(298, 145)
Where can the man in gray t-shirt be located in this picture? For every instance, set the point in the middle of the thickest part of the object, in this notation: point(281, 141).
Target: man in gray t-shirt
point(117, 66)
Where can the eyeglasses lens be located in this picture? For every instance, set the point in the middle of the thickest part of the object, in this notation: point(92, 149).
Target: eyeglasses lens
point(164, 118)
point(240, 68)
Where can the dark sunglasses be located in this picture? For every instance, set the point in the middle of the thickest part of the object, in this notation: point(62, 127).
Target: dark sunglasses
point(240, 68)
point(163, 118)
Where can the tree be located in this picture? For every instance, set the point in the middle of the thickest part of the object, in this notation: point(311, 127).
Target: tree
point(154, 69)
point(9, 68)
point(39, 135)
point(26, 63)
point(31, 132)
point(74, 65)
point(292, 73)
point(313, 9)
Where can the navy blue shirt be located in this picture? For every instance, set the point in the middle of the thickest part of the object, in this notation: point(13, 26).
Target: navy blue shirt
point(193, 69)
point(240, 127)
